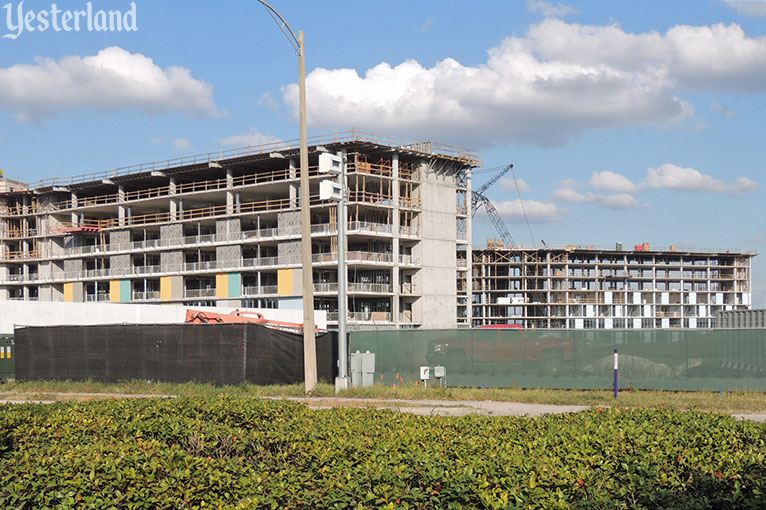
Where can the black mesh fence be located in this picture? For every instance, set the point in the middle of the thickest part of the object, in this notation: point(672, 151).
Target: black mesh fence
point(211, 353)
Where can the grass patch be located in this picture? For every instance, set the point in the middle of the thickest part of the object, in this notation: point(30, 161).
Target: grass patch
point(729, 402)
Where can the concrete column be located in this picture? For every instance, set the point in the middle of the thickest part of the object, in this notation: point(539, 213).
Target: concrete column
point(173, 206)
point(74, 204)
point(469, 250)
point(395, 229)
point(293, 186)
point(229, 193)
point(121, 207)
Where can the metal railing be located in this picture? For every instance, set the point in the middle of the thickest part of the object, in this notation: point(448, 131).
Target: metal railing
point(408, 231)
point(370, 287)
point(326, 287)
point(196, 293)
point(368, 226)
point(362, 316)
point(149, 295)
point(448, 151)
point(100, 297)
point(255, 290)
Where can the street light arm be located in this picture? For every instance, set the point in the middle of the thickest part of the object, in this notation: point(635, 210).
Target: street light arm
point(274, 12)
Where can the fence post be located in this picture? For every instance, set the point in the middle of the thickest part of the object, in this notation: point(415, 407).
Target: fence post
point(616, 374)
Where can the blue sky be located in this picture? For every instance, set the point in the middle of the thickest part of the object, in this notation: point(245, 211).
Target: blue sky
point(626, 121)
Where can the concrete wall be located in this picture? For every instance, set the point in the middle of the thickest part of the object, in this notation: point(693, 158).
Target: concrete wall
point(31, 313)
point(228, 256)
point(436, 281)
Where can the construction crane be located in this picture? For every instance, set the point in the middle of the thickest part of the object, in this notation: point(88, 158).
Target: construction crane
point(497, 221)
point(479, 199)
point(475, 199)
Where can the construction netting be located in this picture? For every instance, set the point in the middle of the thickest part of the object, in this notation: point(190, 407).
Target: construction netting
point(666, 359)
point(211, 353)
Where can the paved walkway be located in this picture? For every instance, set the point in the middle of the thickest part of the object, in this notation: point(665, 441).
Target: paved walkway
point(420, 407)
point(442, 407)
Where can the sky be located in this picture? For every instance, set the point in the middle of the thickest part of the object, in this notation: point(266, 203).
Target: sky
point(625, 121)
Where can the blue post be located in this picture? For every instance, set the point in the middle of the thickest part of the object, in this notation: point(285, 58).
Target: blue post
point(616, 375)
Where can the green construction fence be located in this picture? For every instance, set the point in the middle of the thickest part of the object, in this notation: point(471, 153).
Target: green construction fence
point(7, 358)
point(666, 359)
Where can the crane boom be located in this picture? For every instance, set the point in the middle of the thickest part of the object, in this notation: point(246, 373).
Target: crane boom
point(495, 217)
point(487, 185)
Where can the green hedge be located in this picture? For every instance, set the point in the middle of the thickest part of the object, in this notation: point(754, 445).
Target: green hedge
point(241, 453)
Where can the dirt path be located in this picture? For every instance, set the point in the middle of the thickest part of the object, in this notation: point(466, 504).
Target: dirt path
point(420, 407)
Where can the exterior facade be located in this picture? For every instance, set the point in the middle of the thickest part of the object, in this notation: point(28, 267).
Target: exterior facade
point(741, 319)
point(224, 229)
point(588, 288)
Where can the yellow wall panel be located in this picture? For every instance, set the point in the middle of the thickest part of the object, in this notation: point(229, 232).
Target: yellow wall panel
point(114, 291)
point(222, 285)
point(69, 292)
point(166, 288)
point(285, 282)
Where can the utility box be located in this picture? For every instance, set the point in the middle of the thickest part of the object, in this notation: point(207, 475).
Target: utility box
point(329, 163)
point(362, 369)
point(440, 374)
point(330, 190)
point(7, 358)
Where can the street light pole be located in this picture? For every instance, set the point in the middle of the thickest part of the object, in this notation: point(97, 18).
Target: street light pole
point(309, 338)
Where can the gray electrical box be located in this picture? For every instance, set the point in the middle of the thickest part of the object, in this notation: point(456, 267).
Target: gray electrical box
point(362, 369)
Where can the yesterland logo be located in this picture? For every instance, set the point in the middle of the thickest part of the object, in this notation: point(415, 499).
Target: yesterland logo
point(18, 20)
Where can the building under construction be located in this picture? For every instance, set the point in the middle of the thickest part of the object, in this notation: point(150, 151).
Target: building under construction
point(224, 228)
point(589, 288)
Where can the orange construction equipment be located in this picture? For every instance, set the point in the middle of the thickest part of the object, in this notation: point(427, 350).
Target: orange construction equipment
point(242, 316)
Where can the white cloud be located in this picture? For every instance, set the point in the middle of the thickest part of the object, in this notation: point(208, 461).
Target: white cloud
point(179, 144)
point(254, 137)
point(111, 80)
point(424, 26)
point(611, 181)
point(670, 176)
point(667, 177)
point(749, 8)
point(267, 99)
point(545, 87)
point(723, 110)
point(549, 10)
point(537, 212)
point(508, 184)
point(569, 191)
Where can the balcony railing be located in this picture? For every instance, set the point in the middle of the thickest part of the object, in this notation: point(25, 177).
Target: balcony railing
point(370, 287)
point(410, 231)
point(149, 295)
point(326, 287)
point(201, 266)
point(362, 316)
point(197, 293)
point(369, 226)
point(255, 290)
point(409, 260)
point(354, 257)
point(100, 297)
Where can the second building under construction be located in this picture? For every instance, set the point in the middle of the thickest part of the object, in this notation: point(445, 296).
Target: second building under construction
point(590, 288)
